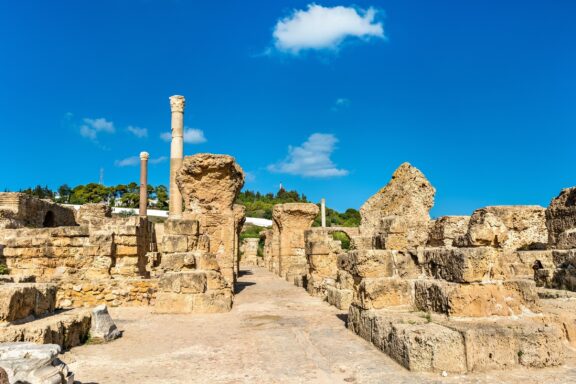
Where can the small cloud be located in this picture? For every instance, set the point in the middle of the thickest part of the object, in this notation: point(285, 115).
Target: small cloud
point(320, 28)
point(194, 136)
point(158, 160)
point(311, 159)
point(128, 162)
point(138, 132)
point(249, 176)
point(341, 103)
point(90, 128)
point(191, 136)
point(135, 160)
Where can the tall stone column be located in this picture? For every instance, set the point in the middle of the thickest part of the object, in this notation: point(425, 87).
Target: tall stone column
point(176, 153)
point(144, 183)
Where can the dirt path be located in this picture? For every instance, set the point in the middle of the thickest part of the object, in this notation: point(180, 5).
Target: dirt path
point(276, 333)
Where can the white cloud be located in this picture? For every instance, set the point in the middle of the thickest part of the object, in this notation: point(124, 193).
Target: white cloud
point(128, 162)
point(138, 132)
point(321, 27)
point(135, 160)
point(249, 176)
point(340, 103)
point(158, 160)
point(191, 136)
point(311, 159)
point(90, 128)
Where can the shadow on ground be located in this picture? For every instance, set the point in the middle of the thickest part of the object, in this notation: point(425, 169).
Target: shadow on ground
point(240, 286)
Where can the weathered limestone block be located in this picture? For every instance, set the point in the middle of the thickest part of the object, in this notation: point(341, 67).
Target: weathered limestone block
point(176, 262)
point(404, 204)
point(379, 263)
point(382, 292)
point(505, 344)
point(561, 216)
point(340, 298)
point(463, 265)
point(34, 364)
point(410, 339)
point(183, 282)
point(181, 227)
point(175, 243)
point(562, 313)
point(112, 292)
point(23, 301)
point(208, 302)
point(67, 329)
point(93, 213)
point(523, 263)
point(514, 297)
point(446, 229)
point(292, 219)
point(368, 263)
point(102, 328)
point(507, 227)
point(567, 239)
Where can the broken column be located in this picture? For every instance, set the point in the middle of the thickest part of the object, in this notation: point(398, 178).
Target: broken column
point(210, 184)
point(250, 251)
point(144, 183)
point(198, 250)
point(176, 153)
point(291, 220)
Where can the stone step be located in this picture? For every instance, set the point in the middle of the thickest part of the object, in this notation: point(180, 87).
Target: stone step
point(21, 301)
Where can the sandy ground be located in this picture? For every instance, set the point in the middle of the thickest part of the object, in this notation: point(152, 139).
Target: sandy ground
point(276, 333)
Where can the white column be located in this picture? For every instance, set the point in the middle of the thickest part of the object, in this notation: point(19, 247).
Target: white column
point(323, 210)
point(144, 183)
point(176, 153)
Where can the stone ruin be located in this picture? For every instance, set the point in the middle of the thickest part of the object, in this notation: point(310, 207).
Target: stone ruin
point(18, 210)
point(284, 247)
point(249, 251)
point(198, 254)
point(61, 267)
point(456, 294)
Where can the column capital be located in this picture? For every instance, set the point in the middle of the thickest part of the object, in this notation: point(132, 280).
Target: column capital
point(177, 103)
point(144, 156)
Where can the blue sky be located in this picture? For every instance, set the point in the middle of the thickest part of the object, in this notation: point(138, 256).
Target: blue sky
point(480, 95)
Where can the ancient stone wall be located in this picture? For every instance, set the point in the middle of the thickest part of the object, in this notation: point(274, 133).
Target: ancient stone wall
point(291, 220)
point(454, 294)
point(18, 210)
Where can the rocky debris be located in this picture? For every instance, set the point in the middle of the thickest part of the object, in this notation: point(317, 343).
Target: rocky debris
point(209, 183)
point(399, 213)
point(102, 328)
point(507, 227)
point(561, 217)
point(34, 364)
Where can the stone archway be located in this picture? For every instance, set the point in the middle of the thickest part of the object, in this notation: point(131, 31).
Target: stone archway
point(49, 220)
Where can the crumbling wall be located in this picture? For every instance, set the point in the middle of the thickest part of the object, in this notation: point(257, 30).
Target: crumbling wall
point(18, 210)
